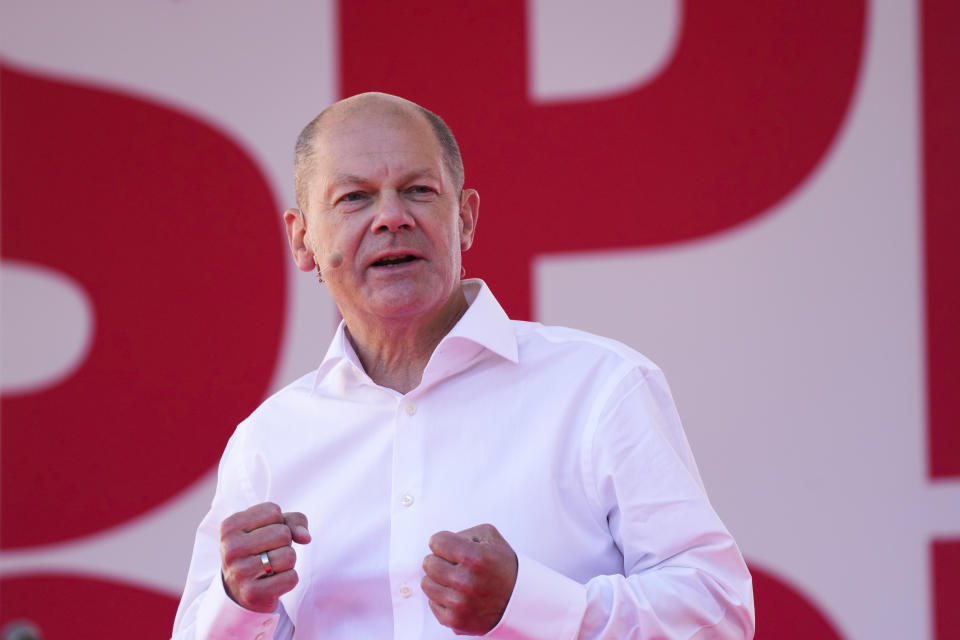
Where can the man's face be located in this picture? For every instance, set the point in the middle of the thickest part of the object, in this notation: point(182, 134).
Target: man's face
point(381, 196)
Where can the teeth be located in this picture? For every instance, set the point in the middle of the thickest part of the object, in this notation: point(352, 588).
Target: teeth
point(393, 260)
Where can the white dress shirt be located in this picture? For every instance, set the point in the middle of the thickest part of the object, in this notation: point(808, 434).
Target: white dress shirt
point(568, 443)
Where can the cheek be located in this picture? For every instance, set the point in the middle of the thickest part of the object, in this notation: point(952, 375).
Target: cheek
point(325, 239)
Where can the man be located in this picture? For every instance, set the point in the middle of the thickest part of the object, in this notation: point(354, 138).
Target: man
point(461, 473)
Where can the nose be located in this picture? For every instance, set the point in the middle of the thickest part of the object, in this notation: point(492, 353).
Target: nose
point(391, 214)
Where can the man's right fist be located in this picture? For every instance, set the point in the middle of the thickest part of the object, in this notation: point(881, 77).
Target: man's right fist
point(262, 528)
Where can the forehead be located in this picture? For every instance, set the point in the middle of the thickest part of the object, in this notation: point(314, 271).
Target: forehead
point(375, 139)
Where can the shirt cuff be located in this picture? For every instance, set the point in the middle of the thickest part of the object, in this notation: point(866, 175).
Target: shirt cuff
point(544, 604)
point(220, 617)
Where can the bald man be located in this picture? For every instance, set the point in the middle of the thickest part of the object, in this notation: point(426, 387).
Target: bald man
point(447, 471)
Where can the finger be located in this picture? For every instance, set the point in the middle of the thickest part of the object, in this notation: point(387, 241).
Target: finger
point(235, 546)
point(282, 559)
point(440, 595)
point(440, 613)
point(255, 517)
point(452, 617)
point(251, 567)
point(272, 536)
point(450, 546)
point(439, 569)
point(280, 583)
point(261, 594)
point(298, 526)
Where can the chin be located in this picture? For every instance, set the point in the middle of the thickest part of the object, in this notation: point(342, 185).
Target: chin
point(402, 304)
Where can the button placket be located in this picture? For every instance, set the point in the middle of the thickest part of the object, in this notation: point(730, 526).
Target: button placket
point(406, 545)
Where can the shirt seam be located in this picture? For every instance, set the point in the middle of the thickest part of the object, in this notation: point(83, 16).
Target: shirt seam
point(589, 440)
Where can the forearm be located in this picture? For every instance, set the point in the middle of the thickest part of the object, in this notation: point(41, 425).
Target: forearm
point(672, 601)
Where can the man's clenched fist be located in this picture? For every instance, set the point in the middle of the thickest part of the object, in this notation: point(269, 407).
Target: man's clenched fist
point(470, 577)
point(247, 534)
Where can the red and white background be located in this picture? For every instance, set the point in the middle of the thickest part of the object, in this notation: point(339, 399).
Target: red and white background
point(759, 196)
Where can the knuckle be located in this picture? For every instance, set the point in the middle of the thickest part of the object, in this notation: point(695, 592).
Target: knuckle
point(230, 578)
point(431, 565)
point(272, 508)
point(229, 524)
point(439, 612)
point(228, 550)
point(291, 579)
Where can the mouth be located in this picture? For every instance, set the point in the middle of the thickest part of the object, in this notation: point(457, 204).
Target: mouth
point(394, 261)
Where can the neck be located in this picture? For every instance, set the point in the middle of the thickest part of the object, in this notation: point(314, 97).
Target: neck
point(395, 351)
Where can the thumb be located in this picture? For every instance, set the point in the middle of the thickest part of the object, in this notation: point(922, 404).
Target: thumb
point(297, 522)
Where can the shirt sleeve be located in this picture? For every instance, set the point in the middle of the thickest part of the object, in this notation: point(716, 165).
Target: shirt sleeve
point(206, 611)
point(683, 577)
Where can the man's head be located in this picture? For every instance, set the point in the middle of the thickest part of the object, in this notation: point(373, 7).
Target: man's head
point(306, 143)
point(380, 183)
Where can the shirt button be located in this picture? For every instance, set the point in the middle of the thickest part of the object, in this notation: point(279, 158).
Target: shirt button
point(405, 591)
point(411, 409)
point(406, 500)
point(267, 622)
point(260, 636)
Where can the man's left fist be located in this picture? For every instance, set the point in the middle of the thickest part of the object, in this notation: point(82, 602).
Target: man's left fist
point(470, 577)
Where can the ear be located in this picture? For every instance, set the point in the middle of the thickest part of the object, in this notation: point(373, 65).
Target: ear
point(469, 210)
point(296, 236)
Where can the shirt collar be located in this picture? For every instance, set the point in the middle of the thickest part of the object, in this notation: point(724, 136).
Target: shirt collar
point(484, 323)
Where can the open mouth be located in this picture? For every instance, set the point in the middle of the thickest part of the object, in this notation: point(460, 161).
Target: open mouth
point(392, 261)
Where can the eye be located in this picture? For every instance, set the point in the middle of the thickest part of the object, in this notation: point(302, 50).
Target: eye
point(353, 196)
point(421, 190)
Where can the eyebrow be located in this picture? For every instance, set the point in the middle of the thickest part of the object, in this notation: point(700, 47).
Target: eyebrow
point(344, 179)
point(421, 172)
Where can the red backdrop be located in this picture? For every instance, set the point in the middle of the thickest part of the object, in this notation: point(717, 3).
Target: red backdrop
point(168, 223)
